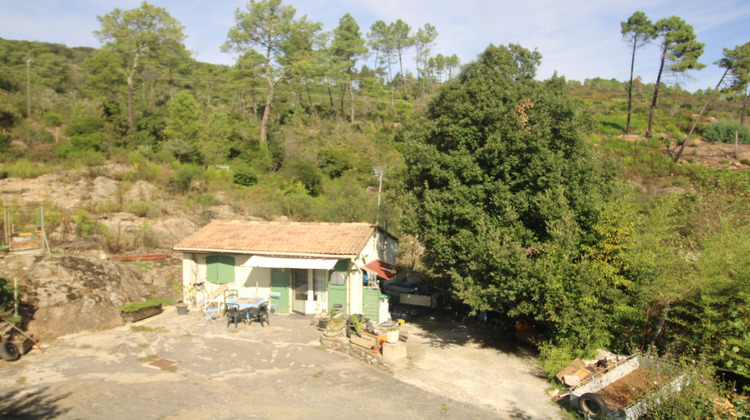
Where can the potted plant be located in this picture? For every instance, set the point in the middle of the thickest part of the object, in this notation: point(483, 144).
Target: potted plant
point(135, 311)
point(335, 327)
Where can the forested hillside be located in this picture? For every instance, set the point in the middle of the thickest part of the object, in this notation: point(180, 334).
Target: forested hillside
point(556, 202)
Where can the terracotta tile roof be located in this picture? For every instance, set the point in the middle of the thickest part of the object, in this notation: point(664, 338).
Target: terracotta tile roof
point(280, 238)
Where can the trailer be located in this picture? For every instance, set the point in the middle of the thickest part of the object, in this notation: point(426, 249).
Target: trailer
point(623, 390)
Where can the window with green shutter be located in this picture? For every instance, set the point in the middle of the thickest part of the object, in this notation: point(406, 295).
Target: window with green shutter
point(220, 269)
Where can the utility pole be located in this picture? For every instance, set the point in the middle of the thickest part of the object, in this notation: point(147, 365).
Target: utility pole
point(378, 171)
point(28, 85)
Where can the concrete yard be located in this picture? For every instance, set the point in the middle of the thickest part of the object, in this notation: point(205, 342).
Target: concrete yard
point(172, 366)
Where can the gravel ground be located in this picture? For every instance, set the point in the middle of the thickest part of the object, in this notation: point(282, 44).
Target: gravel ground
point(279, 371)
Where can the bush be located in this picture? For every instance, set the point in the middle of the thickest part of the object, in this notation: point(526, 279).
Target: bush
point(207, 200)
point(84, 224)
point(309, 177)
point(85, 125)
point(179, 182)
point(5, 140)
point(81, 143)
point(244, 176)
point(724, 131)
point(134, 306)
point(22, 168)
point(139, 208)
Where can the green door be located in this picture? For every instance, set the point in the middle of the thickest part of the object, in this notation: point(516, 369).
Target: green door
point(280, 284)
point(337, 290)
point(371, 303)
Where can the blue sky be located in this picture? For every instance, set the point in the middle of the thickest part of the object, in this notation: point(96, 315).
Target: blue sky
point(578, 39)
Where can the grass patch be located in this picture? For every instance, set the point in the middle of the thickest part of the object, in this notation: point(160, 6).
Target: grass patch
point(21, 381)
point(143, 328)
point(148, 359)
point(134, 306)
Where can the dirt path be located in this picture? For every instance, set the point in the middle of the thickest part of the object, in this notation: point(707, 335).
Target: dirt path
point(478, 366)
point(280, 371)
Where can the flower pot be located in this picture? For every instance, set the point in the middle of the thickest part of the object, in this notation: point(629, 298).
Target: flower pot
point(182, 308)
point(391, 336)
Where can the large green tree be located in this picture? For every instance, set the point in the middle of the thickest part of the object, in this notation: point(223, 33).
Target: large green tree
point(508, 199)
point(638, 30)
point(270, 29)
point(679, 52)
point(148, 34)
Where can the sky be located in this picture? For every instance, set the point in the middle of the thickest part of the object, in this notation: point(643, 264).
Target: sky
point(579, 39)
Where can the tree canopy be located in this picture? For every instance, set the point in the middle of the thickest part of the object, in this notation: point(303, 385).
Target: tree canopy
point(146, 36)
point(506, 197)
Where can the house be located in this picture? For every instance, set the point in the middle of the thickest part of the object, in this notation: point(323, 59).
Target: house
point(314, 266)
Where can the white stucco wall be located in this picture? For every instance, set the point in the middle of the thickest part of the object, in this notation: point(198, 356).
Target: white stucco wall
point(248, 281)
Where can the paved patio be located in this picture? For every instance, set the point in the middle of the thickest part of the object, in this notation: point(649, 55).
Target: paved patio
point(172, 366)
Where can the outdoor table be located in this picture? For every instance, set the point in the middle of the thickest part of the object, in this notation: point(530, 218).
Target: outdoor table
point(246, 302)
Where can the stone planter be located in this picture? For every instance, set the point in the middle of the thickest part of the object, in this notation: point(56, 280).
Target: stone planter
point(141, 313)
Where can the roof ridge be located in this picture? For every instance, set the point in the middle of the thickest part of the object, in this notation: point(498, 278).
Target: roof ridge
point(292, 223)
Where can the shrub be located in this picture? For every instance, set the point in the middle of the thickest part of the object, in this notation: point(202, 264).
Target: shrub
point(724, 131)
point(139, 208)
point(207, 200)
point(81, 143)
point(6, 294)
point(85, 125)
point(84, 224)
point(22, 168)
point(134, 306)
point(108, 207)
point(244, 176)
point(5, 140)
point(308, 176)
point(179, 182)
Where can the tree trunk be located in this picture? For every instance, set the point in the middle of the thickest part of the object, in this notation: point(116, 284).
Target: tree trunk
point(266, 116)
point(695, 124)
point(656, 93)
point(313, 112)
point(330, 96)
point(153, 99)
point(403, 79)
point(630, 87)
point(351, 101)
point(744, 108)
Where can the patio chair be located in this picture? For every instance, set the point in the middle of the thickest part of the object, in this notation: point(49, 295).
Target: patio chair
point(234, 315)
point(229, 294)
point(210, 310)
point(258, 313)
point(273, 299)
point(216, 297)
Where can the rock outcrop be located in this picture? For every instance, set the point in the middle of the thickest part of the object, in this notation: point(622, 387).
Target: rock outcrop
point(63, 294)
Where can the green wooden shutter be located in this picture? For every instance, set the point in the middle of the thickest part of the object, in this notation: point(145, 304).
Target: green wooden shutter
point(280, 284)
point(371, 304)
point(220, 269)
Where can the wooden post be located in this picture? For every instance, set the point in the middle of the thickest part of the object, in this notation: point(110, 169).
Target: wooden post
point(15, 296)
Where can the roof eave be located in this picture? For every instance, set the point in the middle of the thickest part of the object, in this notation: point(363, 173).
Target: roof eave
point(267, 253)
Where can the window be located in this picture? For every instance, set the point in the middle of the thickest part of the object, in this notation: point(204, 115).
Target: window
point(220, 269)
point(320, 283)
